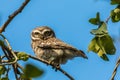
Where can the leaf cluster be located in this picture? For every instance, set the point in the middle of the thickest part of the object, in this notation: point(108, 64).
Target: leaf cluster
point(102, 43)
point(22, 56)
point(115, 13)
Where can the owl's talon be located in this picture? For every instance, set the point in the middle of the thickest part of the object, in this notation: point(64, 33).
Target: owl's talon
point(56, 67)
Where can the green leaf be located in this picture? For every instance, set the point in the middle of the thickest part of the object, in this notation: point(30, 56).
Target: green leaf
point(104, 57)
point(115, 15)
point(107, 45)
point(23, 77)
point(113, 2)
point(102, 46)
point(117, 10)
point(112, 14)
point(95, 47)
point(95, 21)
point(4, 78)
point(100, 31)
point(32, 71)
point(2, 70)
point(22, 56)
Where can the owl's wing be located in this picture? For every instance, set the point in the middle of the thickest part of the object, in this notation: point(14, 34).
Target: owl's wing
point(54, 43)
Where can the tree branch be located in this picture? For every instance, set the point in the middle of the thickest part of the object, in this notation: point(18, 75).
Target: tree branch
point(11, 17)
point(9, 53)
point(58, 68)
point(8, 48)
point(115, 69)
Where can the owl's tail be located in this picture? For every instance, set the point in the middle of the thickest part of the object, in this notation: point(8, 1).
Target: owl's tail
point(82, 54)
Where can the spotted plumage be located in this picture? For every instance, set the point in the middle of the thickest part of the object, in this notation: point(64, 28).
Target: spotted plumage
point(47, 47)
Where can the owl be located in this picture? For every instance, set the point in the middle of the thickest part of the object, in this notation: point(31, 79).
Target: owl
point(48, 48)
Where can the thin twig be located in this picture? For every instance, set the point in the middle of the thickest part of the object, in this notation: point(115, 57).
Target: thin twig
point(15, 71)
point(20, 67)
point(115, 69)
point(10, 63)
point(11, 17)
point(9, 50)
point(8, 69)
point(108, 19)
point(1, 57)
point(58, 68)
point(5, 62)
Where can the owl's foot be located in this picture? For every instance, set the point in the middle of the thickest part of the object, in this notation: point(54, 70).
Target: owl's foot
point(55, 66)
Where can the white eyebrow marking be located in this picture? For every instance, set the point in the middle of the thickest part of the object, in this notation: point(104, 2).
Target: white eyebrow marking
point(36, 31)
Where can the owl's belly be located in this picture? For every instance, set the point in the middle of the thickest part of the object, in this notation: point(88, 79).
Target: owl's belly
point(51, 55)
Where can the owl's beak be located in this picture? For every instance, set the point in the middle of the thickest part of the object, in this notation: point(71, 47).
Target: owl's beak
point(41, 37)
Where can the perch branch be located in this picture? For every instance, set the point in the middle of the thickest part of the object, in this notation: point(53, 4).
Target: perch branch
point(115, 69)
point(58, 68)
point(11, 17)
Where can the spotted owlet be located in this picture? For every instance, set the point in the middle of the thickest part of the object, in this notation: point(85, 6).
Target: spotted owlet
point(47, 47)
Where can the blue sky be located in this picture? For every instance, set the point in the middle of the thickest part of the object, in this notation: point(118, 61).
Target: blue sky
point(69, 20)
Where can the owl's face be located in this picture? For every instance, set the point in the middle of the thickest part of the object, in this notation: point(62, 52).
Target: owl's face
point(42, 33)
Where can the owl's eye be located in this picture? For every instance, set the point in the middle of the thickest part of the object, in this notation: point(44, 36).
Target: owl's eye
point(36, 33)
point(48, 33)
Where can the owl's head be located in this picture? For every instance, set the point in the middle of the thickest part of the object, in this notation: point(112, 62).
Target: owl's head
point(42, 33)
